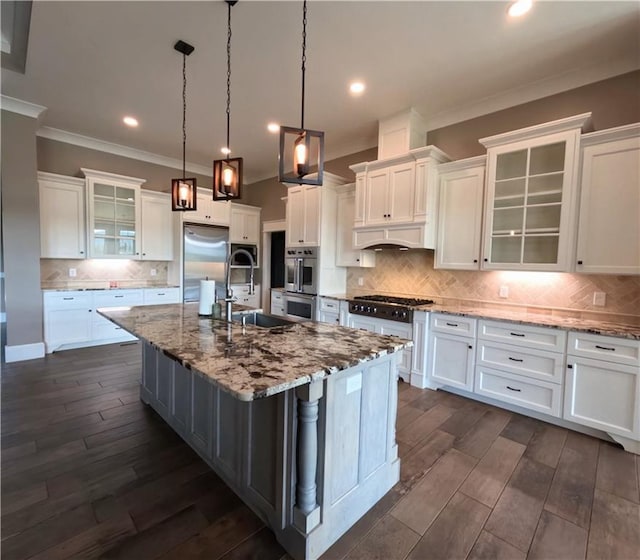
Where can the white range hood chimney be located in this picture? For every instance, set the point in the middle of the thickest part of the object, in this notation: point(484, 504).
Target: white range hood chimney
point(400, 133)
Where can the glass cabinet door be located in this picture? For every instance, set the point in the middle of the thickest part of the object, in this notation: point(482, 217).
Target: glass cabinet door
point(114, 221)
point(527, 204)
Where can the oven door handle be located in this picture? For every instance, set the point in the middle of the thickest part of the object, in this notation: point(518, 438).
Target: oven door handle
point(296, 275)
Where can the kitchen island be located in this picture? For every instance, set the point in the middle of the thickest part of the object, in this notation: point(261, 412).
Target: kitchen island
point(299, 420)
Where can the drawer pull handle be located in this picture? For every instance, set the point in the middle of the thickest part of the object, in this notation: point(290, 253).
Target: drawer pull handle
point(452, 324)
point(68, 298)
point(605, 348)
point(161, 294)
point(516, 334)
point(515, 359)
point(118, 328)
point(118, 296)
point(512, 389)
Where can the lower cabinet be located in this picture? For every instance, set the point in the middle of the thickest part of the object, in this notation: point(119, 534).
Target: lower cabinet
point(451, 354)
point(328, 310)
point(277, 302)
point(243, 297)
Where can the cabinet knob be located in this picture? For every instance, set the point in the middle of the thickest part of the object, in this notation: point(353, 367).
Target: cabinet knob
point(144, 254)
point(470, 347)
point(486, 260)
point(579, 262)
point(357, 260)
point(569, 366)
point(475, 260)
point(82, 252)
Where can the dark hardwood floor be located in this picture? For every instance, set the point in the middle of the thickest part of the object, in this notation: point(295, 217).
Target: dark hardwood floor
point(88, 472)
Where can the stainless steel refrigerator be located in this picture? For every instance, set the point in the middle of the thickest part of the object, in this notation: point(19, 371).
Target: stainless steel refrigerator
point(205, 256)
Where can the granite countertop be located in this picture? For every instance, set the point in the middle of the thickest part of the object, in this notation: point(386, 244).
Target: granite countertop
point(252, 362)
point(102, 289)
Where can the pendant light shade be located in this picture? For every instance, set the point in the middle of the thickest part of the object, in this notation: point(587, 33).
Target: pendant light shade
point(227, 173)
point(184, 190)
point(301, 151)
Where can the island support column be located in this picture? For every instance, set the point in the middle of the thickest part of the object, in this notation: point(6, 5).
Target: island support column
point(306, 512)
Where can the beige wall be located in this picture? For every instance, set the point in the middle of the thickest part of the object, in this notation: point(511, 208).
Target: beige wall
point(613, 102)
point(67, 159)
point(21, 230)
point(412, 273)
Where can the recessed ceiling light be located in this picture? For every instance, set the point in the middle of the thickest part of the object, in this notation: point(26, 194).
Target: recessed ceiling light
point(273, 127)
point(519, 8)
point(130, 121)
point(225, 151)
point(356, 88)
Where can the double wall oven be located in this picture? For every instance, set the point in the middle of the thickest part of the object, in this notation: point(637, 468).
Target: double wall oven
point(301, 282)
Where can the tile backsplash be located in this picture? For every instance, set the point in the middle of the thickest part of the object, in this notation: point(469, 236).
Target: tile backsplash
point(412, 273)
point(99, 273)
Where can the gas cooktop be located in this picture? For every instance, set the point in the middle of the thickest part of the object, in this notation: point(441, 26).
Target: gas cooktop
point(409, 302)
point(386, 307)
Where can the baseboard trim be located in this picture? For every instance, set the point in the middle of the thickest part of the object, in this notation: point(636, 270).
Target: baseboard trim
point(23, 352)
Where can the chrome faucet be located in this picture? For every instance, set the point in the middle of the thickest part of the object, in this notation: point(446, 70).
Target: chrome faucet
point(229, 299)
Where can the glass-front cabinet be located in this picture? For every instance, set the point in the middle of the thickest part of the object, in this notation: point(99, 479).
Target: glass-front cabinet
point(113, 203)
point(531, 199)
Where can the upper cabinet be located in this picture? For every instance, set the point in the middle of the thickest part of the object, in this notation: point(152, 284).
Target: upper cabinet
point(346, 255)
point(531, 197)
point(62, 217)
point(460, 214)
point(113, 204)
point(156, 220)
point(209, 211)
point(396, 200)
point(303, 216)
point(609, 226)
point(244, 226)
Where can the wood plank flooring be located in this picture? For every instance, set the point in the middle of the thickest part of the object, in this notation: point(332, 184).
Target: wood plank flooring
point(89, 472)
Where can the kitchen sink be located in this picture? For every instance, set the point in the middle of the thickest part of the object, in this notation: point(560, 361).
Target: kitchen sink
point(261, 320)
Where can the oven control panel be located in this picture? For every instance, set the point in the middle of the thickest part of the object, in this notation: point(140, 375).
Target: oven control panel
point(381, 311)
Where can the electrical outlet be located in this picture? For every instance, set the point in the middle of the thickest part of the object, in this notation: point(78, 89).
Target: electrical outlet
point(504, 292)
point(360, 281)
point(154, 272)
point(72, 273)
point(599, 299)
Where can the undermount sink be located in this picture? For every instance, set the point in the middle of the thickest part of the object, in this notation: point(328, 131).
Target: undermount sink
point(261, 320)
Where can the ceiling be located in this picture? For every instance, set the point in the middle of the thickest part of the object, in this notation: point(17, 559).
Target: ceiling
point(91, 63)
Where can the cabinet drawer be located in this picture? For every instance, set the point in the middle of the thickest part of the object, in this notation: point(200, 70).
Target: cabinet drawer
point(117, 298)
point(330, 305)
point(609, 348)
point(67, 300)
point(539, 364)
point(153, 296)
point(453, 324)
point(276, 296)
point(108, 331)
point(544, 338)
point(521, 391)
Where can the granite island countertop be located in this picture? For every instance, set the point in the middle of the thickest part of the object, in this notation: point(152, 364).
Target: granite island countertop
point(252, 362)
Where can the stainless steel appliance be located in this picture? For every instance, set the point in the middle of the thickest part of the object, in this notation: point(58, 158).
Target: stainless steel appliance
point(302, 270)
point(205, 250)
point(241, 260)
point(386, 307)
point(299, 306)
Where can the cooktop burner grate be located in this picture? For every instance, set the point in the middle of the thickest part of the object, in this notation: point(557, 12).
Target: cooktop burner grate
point(395, 300)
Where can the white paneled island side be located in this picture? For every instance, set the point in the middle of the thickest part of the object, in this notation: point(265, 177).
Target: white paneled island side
point(299, 420)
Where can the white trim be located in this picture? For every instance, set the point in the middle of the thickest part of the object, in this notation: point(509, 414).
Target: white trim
point(62, 179)
point(21, 107)
point(527, 93)
point(610, 135)
point(23, 352)
point(460, 164)
point(119, 150)
point(106, 176)
point(416, 154)
point(274, 225)
point(553, 127)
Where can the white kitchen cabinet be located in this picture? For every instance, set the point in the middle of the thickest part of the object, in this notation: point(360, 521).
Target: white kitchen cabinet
point(157, 226)
point(420, 334)
point(244, 224)
point(303, 216)
point(158, 296)
point(67, 318)
point(243, 297)
point(62, 221)
point(609, 220)
point(277, 302)
point(346, 255)
point(460, 214)
point(451, 351)
point(209, 211)
point(328, 311)
point(396, 200)
point(530, 211)
point(113, 204)
point(604, 393)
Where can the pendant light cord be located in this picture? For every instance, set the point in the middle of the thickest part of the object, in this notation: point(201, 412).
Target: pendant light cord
point(228, 78)
point(304, 56)
point(184, 114)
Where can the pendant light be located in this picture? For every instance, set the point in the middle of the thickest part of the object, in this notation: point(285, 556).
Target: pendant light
point(301, 153)
point(227, 173)
point(184, 191)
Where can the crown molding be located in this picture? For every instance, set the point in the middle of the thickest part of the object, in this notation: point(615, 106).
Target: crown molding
point(62, 179)
point(460, 164)
point(106, 176)
point(21, 107)
point(610, 135)
point(119, 150)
